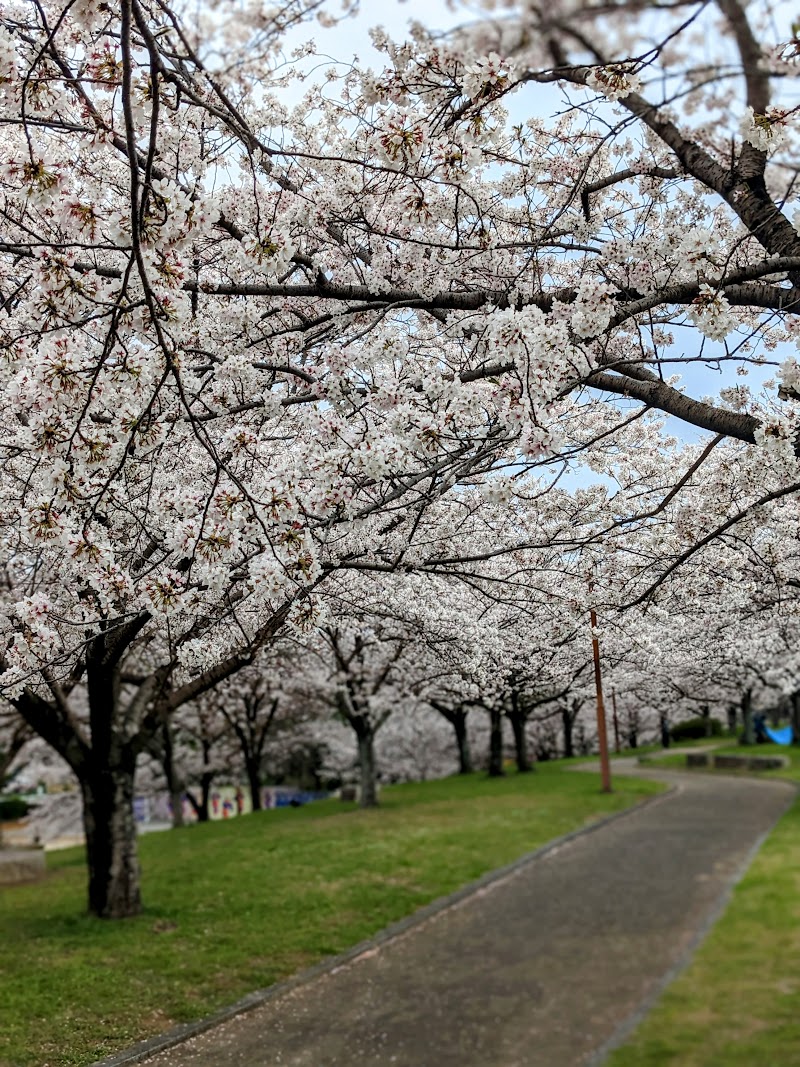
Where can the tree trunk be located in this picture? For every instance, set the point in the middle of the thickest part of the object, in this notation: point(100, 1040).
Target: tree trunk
point(176, 804)
point(633, 734)
point(705, 715)
point(732, 718)
point(254, 783)
point(457, 717)
point(175, 784)
point(496, 743)
point(663, 725)
point(368, 767)
point(459, 721)
point(111, 846)
point(520, 742)
point(567, 725)
point(200, 806)
point(795, 717)
point(748, 735)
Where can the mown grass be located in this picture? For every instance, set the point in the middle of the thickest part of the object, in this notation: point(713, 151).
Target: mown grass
point(737, 1003)
point(232, 907)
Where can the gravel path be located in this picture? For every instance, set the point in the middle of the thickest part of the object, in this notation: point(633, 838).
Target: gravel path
point(543, 968)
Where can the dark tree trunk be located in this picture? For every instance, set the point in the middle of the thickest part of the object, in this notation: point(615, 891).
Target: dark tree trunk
point(20, 736)
point(633, 734)
point(663, 725)
point(457, 717)
point(518, 719)
point(496, 743)
point(367, 766)
point(748, 734)
point(732, 718)
point(705, 715)
point(162, 748)
point(175, 784)
point(459, 722)
point(201, 807)
point(111, 846)
point(251, 732)
point(107, 783)
point(795, 717)
point(567, 727)
point(520, 742)
point(254, 783)
point(176, 795)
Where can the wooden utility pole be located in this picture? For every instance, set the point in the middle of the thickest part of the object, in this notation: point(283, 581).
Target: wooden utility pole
point(605, 766)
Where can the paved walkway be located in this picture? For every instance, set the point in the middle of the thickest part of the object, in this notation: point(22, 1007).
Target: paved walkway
point(540, 969)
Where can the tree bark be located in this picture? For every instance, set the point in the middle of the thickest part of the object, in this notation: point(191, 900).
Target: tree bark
point(459, 722)
point(496, 743)
point(201, 808)
point(663, 726)
point(705, 715)
point(748, 735)
point(567, 725)
point(105, 770)
point(111, 845)
point(633, 734)
point(518, 719)
point(367, 766)
point(175, 784)
point(795, 719)
point(732, 718)
point(457, 717)
point(254, 783)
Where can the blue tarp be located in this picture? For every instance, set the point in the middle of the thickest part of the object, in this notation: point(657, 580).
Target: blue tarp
point(780, 737)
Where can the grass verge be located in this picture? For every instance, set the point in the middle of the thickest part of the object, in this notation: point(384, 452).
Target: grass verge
point(737, 1003)
point(233, 907)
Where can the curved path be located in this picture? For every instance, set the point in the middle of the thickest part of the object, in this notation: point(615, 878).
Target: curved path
point(546, 967)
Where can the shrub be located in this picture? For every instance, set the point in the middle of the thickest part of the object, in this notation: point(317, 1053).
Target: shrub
point(694, 728)
point(12, 808)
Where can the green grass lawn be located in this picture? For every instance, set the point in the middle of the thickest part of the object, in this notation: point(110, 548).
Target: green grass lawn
point(232, 907)
point(737, 1005)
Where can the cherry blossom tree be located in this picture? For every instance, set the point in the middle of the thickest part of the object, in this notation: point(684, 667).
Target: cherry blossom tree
point(372, 654)
point(248, 344)
point(175, 476)
point(201, 739)
point(249, 703)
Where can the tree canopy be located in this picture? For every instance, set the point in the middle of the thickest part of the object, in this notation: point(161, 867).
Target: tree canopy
point(264, 329)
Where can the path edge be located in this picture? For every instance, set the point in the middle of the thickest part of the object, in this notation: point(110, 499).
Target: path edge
point(143, 1050)
point(626, 1028)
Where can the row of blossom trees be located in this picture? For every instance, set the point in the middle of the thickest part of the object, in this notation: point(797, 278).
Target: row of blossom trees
point(256, 351)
